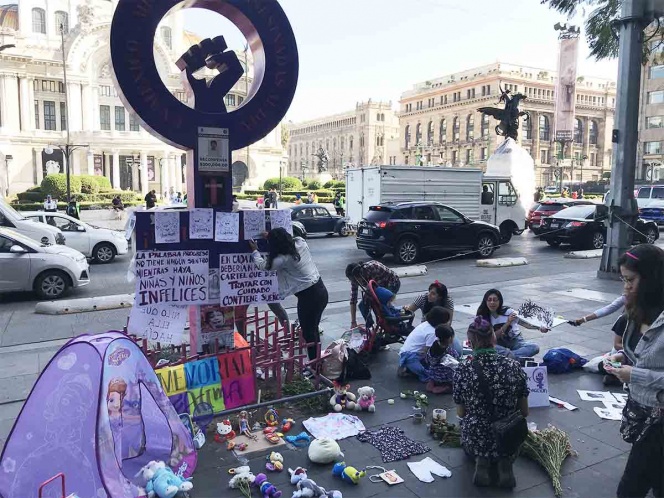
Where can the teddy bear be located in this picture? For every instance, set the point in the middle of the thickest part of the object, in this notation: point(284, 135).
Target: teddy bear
point(342, 398)
point(306, 488)
point(224, 432)
point(365, 399)
point(162, 482)
point(242, 477)
point(275, 462)
point(347, 473)
point(267, 489)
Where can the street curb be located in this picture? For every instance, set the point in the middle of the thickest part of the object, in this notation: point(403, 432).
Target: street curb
point(501, 262)
point(410, 271)
point(67, 306)
point(594, 253)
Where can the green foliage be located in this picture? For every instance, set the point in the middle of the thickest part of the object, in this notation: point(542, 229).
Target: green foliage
point(36, 206)
point(313, 184)
point(56, 185)
point(89, 184)
point(287, 182)
point(301, 385)
point(335, 184)
point(104, 183)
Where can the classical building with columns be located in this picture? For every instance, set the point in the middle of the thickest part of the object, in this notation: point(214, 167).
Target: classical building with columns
point(34, 115)
point(351, 139)
point(440, 122)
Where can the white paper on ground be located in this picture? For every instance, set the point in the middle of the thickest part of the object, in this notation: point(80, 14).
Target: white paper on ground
point(613, 405)
point(608, 414)
point(597, 396)
point(621, 397)
point(562, 403)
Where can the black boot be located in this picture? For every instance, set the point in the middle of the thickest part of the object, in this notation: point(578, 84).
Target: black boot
point(482, 476)
point(506, 477)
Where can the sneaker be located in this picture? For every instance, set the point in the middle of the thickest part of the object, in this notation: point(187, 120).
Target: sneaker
point(506, 477)
point(482, 476)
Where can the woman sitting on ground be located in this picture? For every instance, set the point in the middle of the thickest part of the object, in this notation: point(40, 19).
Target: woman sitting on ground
point(505, 381)
point(505, 323)
point(642, 270)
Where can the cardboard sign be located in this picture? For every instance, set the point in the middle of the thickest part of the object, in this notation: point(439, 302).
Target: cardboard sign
point(159, 323)
point(242, 283)
point(538, 383)
point(172, 379)
point(176, 277)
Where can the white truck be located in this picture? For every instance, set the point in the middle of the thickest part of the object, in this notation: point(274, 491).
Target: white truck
point(493, 199)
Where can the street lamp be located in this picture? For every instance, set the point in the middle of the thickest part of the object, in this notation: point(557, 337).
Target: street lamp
point(8, 159)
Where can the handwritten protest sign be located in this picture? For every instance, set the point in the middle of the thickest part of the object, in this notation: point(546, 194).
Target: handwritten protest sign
point(159, 323)
point(242, 283)
point(254, 223)
point(201, 223)
point(171, 277)
point(167, 227)
point(281, 218)
point(538, 383)
point(227, 227)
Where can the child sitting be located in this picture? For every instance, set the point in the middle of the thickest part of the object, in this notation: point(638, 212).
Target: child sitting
point(415, 347)
point(386, 298)
point(440, 367)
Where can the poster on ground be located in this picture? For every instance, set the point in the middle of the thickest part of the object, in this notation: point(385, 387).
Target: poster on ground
point(243, 283)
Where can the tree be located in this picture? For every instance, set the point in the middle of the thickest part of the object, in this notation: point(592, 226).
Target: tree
point(601, 34)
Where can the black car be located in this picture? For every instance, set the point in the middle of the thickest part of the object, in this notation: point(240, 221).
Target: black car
point(317, 219)
point(583, 226)
point(408, 229)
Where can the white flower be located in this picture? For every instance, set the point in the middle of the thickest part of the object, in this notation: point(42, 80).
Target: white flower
point(9, 465)
point(415, 393)
point(402, 396)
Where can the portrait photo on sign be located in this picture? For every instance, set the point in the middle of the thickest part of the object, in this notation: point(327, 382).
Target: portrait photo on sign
point(217, 323)
point(213, 148)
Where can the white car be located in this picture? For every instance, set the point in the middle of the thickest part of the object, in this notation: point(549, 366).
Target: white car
point(49, 270)
point(100, 244)
point(46, 234)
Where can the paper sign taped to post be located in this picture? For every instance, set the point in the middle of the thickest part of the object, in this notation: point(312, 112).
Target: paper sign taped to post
point(538, 383)
point(159, 323)
point(175, 277)
point(167, 227)
point(213, 150)
point(243, 283)
point(201, 223)
point(227, 227)
point(281, 218)
point(254, 224)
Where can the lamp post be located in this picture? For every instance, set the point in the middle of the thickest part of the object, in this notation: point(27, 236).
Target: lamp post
point(8, 159)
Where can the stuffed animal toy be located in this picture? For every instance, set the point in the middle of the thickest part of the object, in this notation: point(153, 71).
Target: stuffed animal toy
point(275, 462)
point(224, 432)
point(348, 474)
point(325, 450)
point(306, 488)
point(267, 489)
point(162, 482)
point(297, 475)
point(366, 398)
point(341, 398)
point(242, 477)
point(287, 424)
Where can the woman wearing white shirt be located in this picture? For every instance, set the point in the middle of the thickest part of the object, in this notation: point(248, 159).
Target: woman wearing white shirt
point(297, 274)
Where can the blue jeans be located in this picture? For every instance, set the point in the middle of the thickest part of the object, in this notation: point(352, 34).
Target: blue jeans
point(413, 363)
point(516, 347)
point(458, 347)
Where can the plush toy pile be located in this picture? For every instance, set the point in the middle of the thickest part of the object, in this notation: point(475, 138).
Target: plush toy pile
point(162, 482)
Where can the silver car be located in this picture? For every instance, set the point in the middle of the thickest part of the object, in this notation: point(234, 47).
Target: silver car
point(49, 270)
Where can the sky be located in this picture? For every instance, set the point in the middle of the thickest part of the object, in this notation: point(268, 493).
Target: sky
point(353, 50)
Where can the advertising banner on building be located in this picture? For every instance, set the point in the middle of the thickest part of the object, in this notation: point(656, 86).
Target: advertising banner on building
point(565, 90)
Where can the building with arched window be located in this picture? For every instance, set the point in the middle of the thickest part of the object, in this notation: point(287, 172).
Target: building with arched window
point(372, 126)
point(457, 98)
point(34, 115)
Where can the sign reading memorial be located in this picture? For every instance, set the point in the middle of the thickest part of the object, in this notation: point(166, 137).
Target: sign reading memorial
point(213, 150)
point(176, 277)
point(243, 283)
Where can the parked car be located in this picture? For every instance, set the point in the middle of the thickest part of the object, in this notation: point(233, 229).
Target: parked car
point(45, 234)
point(49, 270)
point(529, 215)
point(651, 203)
point(551, 190)
point(583, 226)
point(408, 229)
point(100, 244)
point(549, 208)
point(317, 219)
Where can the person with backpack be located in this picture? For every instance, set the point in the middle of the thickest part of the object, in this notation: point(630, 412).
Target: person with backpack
point(74, 208)
point(505, 322)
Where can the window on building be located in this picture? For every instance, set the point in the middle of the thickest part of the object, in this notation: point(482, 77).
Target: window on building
point(442, 132)
point(105, 117)
point(593, 159)
point(455, 129)
point(49, 116)
point(484, 125)
point(240, 99)
point(418, 133)
point(167, 36)
point(654, 122)
point(361, 141)
point(455, 156)
point(545, 156)
point(652, 147)
point(470, 127)
point(484, 153)
point(350, 144)
point(656, 97)
point(63, 116)
point(544, 128)
point(526, 127)
point(230, 99)
point(578, 131)
point(470, 156)
point(105, 91)
point(133, 123)
point(39, 21)
point(119, 118)
point(430, 133)
point(593, 132)
point(656, 72)
point(36, 114)
point(61, 22)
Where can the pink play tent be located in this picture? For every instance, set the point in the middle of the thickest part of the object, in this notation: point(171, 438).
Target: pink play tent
point(97, 413)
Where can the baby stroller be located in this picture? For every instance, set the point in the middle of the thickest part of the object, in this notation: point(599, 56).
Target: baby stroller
point(386, 329)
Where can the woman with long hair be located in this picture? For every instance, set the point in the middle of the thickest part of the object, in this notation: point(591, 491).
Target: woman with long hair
point(486, 373)
point(505, 323)
point(297, 274)
point(436, 295)
point(642, 368)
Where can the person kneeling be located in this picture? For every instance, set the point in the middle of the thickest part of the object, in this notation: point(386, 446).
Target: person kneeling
point(415, 346)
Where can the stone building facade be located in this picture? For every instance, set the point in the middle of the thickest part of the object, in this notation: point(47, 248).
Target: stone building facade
point(352, 139)
point(440, 123)
point(34, 116)
point(650, 153)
